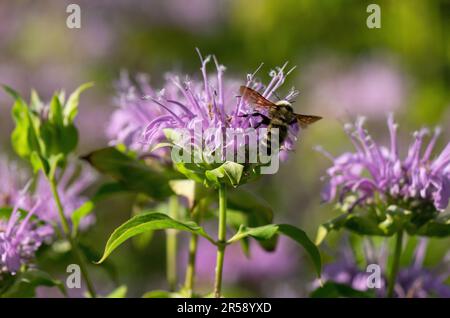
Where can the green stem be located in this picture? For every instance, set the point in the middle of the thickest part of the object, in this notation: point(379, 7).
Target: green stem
point(73, 242)
point(221, 239)
point(190, 269)
point(395, 264)
point(171, 246)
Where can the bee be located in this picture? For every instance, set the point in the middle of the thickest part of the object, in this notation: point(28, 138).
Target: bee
point(280, 114)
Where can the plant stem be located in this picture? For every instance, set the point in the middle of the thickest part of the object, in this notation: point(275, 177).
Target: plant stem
point(171, 246)
point(190, 269)
point(395, 264)
point(221, 239)
point(73, 242)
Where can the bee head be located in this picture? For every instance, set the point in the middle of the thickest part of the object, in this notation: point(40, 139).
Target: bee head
point(285, 104)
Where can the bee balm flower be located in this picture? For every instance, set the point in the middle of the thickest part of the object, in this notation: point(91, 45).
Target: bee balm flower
point(208, 112)
point(20, 239)
point(373, 171)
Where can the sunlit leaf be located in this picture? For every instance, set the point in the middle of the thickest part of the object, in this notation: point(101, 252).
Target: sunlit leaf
point(148, 221)
point(267, 232)
point(79, 214)
point(229, 172)
point(71, 106)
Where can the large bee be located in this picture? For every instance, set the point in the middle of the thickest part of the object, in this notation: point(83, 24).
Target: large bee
point(280, 114)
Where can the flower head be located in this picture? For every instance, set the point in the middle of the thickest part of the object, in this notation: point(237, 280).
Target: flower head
point(375, 172)
point(20, 238)
point(207, 109)
point(71, 185)
point(13, 179)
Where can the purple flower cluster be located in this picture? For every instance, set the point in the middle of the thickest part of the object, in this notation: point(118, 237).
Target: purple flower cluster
point(413, 281)
point(20, 238)
point(22, 235)
point(209, 105)
point(374, 170)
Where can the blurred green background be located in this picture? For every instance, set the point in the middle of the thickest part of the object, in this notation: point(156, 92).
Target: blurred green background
point(344, 69)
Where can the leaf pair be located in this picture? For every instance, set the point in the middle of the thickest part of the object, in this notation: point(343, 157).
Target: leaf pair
point(157, 221)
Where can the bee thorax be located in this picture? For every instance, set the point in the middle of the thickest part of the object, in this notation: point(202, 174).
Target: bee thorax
point(283, 103)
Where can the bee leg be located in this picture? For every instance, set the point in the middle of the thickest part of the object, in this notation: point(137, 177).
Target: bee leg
point(248, 115)
point(264, 119)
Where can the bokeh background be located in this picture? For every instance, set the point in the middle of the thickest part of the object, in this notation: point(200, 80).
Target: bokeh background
point(344, 69)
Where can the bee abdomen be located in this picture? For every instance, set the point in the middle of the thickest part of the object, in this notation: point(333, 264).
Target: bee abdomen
point(281, 135)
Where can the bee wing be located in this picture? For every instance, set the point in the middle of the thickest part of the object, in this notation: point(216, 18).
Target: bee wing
point(254, 97)
point(306, 120)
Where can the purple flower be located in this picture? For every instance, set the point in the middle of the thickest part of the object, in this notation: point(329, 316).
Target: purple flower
point(13, 179)
point(72, 183)
point(418, 282)
point(127, 123)
point(413, 281)
point(207, 106)
point(373, 171)
point(20, 238)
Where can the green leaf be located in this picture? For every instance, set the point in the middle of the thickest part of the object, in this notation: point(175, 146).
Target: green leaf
point(229, 172)
point(336, 290)
point(133, 174)
point(55, 115)
point(26, 283)
point(39, 163)
point(191, 171)
point(84, 210)
point(174, 136)
point(119, 292)
point(35, 101)
point(301, 238)
point(24, 136)
point(71, 106)
point(267, 232)
point(363, 224)
point(440, 227)
point(148, 221)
